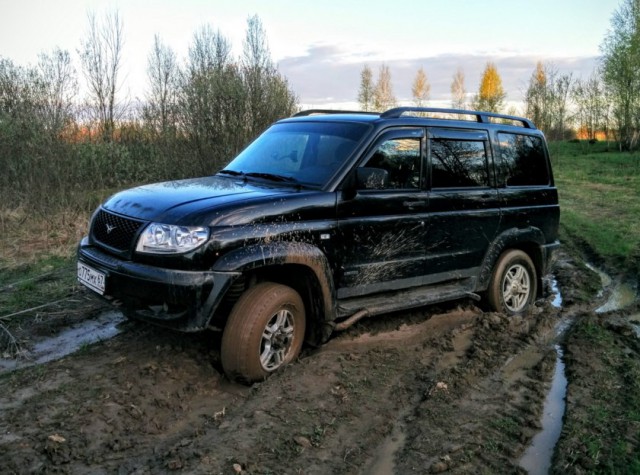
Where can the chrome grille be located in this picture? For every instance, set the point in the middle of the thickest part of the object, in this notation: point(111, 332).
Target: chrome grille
point(115, 231)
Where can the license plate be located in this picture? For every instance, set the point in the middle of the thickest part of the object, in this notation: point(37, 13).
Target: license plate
point(92, 278)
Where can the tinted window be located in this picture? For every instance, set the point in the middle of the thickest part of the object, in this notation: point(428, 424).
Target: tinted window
point(458, 163)
point(522, 160)
point(401, 158)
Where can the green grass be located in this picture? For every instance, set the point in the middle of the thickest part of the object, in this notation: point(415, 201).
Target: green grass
point(599, 192)
point(30, 285)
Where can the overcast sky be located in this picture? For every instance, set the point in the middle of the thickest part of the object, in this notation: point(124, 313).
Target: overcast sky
point(322, 46)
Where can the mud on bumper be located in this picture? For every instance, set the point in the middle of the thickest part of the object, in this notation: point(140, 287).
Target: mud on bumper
point(179, 299)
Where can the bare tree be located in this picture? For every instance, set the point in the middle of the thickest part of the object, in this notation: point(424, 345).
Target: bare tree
point(383, 97)
point(458, 92)
point(268, 94)
point(58, 86)
point(365, 94)
point(101, 57)
point(162, 71)
point(421, 88)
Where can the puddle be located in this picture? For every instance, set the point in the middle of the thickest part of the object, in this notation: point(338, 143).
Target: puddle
point(104, 327)
point(621, 294)
point(537, 458)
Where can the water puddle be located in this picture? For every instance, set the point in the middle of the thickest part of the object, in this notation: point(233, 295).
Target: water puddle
point(620, 294)
point(104, 327)
point(537, 458)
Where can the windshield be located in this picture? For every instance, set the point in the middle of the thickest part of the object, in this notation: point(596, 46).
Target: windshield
point(307, 153)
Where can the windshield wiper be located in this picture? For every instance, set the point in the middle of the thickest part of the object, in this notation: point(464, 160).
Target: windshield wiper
point(231, 172)
point(271, 176)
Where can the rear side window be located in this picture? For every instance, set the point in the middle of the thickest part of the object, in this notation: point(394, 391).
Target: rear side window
point(458, 163)
point(522, 161)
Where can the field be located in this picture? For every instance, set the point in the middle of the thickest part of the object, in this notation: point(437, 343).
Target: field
point(445, 389)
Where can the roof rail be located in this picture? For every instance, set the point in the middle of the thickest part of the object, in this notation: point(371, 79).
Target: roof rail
point(328, 111)
point(484, 117)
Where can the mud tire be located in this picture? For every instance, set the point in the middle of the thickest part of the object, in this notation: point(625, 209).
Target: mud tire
point(264, 332)
point(514, 284)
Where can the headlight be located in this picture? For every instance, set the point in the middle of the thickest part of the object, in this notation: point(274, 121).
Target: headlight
point(169, 239)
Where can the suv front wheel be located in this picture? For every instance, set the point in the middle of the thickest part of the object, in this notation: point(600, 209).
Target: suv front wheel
point(513, 287)
point(264, 332)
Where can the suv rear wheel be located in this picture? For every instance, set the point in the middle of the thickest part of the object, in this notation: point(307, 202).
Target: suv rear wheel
point(264, 332)
point(513, 287)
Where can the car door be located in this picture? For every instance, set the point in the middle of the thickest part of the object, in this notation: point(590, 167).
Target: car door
point(464, 208)
point(382, 225)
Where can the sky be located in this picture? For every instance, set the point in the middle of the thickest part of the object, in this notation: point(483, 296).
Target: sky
point(322, 46)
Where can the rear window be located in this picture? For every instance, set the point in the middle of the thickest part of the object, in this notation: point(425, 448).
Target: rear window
point(522, 161)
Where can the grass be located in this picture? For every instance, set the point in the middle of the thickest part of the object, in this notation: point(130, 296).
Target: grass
point(600, 200)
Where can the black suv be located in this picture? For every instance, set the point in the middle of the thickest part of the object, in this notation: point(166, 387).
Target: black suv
point(328, 217)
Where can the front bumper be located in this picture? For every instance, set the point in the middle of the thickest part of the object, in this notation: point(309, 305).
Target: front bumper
point(183, 300)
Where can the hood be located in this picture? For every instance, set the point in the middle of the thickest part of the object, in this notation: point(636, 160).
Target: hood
point(174, 202)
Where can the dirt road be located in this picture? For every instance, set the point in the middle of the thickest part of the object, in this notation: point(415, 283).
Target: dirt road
point(444, 389)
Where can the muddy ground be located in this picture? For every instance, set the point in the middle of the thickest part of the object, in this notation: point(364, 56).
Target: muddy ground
point(447, 389)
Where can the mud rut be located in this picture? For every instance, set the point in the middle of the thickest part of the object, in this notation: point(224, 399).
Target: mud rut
point(447, 388)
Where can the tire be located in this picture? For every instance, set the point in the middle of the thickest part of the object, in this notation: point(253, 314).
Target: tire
point(514, 284)
point(264, 332)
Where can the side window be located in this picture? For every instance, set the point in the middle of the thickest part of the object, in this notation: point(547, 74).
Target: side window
point(458, 163)
point(401, 159)
point(522, 160)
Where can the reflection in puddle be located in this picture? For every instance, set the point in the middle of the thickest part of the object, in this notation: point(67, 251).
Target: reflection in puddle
point(68, 341)
point(537, 458)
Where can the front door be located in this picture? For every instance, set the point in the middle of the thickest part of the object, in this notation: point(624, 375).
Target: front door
point(382, 228)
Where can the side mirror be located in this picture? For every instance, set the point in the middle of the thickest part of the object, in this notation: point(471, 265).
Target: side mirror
point(372, 178)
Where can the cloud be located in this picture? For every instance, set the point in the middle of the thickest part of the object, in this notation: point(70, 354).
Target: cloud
point(328, 74)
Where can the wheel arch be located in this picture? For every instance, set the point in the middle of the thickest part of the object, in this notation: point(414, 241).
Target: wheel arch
point(529, 240)
point(301, 266)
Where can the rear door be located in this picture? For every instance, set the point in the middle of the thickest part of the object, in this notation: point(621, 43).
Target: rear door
point(464, 207)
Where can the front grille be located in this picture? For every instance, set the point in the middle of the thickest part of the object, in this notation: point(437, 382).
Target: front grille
point(114, 231)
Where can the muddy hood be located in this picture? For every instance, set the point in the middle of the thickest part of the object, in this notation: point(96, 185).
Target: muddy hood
point(178, 202)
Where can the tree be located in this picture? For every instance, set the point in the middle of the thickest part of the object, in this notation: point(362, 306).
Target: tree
point(421, 88)
point(383, 97)
point(621, 71)
point(101, 57)
point(490, 95)
point(546, 100)
point(58, 87)
point(267, 92)
point(592, 107)
point(162, 72)
point(537, 98)
point(365, 94)
point(458, 92)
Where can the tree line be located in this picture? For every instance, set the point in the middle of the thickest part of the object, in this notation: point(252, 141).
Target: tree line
point(606, 104)
point(58, 149)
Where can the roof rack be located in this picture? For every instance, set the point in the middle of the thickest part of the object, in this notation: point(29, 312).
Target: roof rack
point(328, 111)
point(483, 117)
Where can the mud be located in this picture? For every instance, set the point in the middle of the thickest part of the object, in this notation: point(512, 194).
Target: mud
point(448, 388)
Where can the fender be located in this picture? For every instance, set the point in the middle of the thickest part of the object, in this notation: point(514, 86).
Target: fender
point(261, 255)
point(513, 237)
